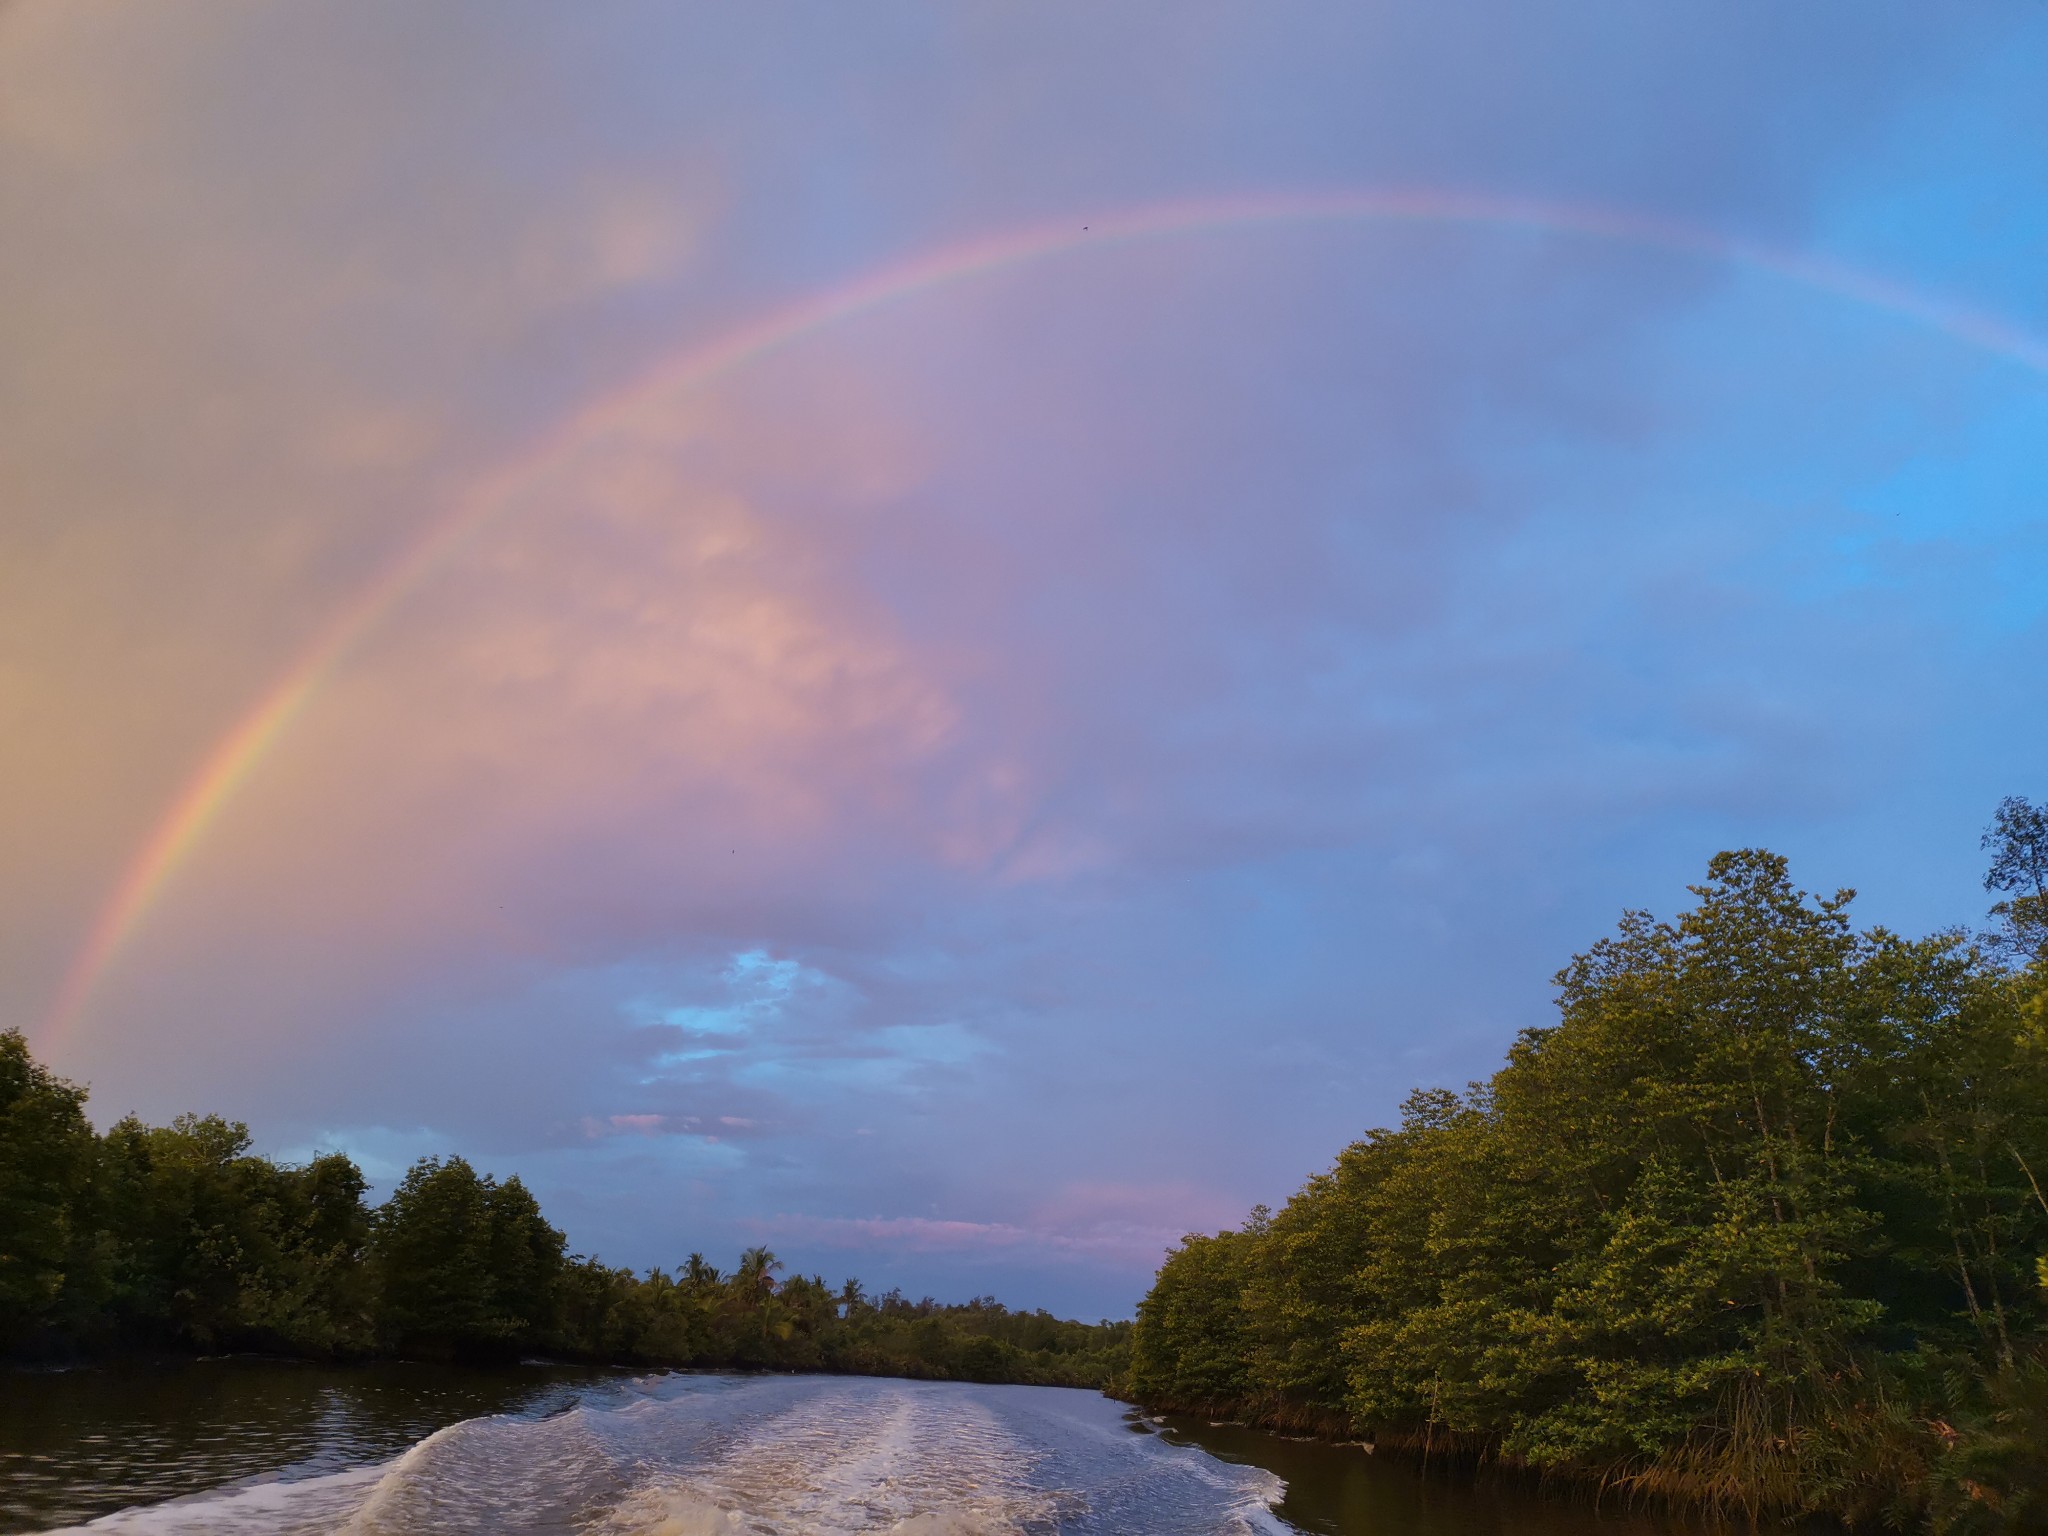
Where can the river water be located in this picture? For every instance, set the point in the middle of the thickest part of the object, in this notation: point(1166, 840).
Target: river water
point(246, 1446)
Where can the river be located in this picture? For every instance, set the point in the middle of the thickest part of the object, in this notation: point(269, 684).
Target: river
point(238, 1446)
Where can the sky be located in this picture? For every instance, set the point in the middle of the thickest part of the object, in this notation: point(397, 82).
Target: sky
point(962, 638)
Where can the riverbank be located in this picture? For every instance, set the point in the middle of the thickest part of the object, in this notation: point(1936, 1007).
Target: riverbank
point(1458, 1460)
point(1340, 1488)
point(181, 1238)
point(976, 1341)
point(1754, 1230)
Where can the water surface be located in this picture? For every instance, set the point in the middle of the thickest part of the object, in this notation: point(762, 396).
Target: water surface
point(273, 1449)
point(75, 1444)
point(1345, 1490)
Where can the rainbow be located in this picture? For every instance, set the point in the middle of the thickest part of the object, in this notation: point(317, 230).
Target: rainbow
point(229, 765)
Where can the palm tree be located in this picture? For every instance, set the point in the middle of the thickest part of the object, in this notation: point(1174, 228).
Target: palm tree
point(700, 1275)
point(756, 1273)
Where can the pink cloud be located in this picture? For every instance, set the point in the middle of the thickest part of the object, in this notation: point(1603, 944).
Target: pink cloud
point(1125, 1225)
point(596, 1126)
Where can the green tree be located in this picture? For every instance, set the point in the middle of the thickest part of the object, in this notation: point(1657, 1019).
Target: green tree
point(464, 1265)
point(195, 1228)
point(1730, 1230)
point(2017, 841)
point(1192, 1343)
point(49, 1270)
point(311, 1294)
point(180, 1236)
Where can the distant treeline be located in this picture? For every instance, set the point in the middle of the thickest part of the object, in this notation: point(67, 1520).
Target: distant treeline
point(179, 1238)
point(1757, 1225)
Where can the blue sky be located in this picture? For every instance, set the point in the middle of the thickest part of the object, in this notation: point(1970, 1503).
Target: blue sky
point(1037, 766)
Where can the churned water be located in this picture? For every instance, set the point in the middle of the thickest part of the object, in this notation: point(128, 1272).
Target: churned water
point(266, 1446)
point(665, 1455)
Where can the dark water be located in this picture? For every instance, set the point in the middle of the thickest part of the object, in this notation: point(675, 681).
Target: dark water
point(76, 1444)
point(245, 1446)
point(1339, 1490)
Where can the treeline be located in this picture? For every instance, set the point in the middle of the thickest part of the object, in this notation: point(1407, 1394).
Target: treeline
point(1757, 1225)
point(180, 1238)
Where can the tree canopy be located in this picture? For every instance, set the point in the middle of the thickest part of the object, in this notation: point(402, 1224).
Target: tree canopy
point(181, 1237)
point(1756, 1223)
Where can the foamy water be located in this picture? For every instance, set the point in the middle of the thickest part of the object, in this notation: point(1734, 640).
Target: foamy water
point(773, 1456)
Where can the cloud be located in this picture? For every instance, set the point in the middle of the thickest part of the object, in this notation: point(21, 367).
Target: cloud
point(1120, 718)
point(1127, 1227)
point(668, 1125)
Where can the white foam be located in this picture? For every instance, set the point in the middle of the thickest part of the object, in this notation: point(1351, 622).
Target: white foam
point(764, 1457)
point(929, 1463)
point(316, 1504)
point(672, 1512)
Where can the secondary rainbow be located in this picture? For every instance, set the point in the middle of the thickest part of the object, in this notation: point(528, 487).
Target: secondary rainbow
point(241, 751)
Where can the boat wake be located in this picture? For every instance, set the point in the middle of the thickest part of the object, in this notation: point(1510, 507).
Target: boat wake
point(723, 1456)
point(926, 1465)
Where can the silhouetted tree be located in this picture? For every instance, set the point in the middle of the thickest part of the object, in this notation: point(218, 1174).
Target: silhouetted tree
point(2017, 840)
point(49, 1266)
point(464, 1265)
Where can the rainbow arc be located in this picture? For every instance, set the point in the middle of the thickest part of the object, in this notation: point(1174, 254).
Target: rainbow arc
point(229, 765)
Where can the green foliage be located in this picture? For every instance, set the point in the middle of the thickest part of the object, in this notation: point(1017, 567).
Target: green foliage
point(752, 1320)
point(464, 1265)
point(1727, 1232)
point(1995, 1478)
point(179, 1237)
point(1193, 1345)
point(2017, 841)
point(46, 1165)
point(206, 1245)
